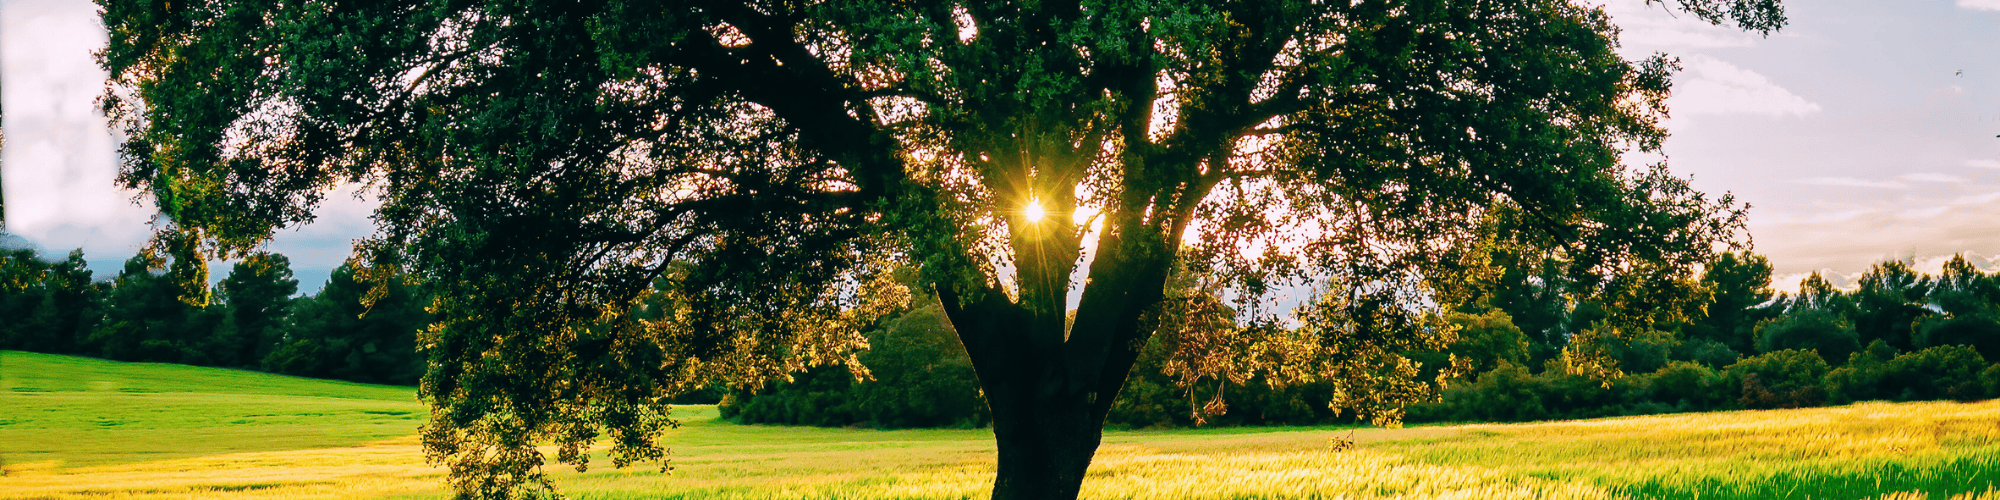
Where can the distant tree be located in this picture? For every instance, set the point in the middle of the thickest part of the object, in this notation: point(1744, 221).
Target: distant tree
point(1889, 302)
point(1810, 330)
point(542, 164)
point(73, 306)
point(920, 376)
point(1970, 301)
point(355, 329)
point(1964, 291)
point(1487, 339)
point(1738, 285)
point(1861, 377)
point(258, 297)
point(21, 293)
point(146, 320)
point(1534, 296)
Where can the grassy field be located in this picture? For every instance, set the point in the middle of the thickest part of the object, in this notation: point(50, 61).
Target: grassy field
point(78, 428)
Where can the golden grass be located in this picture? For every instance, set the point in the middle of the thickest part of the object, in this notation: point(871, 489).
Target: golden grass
point(1679, 455)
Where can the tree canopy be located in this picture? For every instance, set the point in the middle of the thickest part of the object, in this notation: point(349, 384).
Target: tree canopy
point(542, 165)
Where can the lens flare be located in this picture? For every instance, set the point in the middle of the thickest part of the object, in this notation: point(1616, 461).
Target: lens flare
point(1034, 212)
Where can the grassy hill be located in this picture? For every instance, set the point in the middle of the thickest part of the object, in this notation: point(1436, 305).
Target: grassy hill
point(80, 428)
point(71, 411)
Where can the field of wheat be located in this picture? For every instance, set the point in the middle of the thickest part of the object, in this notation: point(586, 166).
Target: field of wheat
point(76, 428)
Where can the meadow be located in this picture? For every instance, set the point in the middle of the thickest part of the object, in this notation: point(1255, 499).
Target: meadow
point(83, 428)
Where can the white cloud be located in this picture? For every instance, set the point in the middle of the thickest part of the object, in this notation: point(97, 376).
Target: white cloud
point(1644, 29)
point(1980, 4)
point(59, 161)
point(1715, 87)
point(1983, 163)
point(1852, 182)
point(1932, 177)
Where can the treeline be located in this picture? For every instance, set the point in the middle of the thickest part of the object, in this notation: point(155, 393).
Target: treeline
point(255, 320)
point(1901, 335)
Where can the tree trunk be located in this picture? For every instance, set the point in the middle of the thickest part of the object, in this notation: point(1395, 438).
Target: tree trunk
point(1048, 414)
point(1044, 449)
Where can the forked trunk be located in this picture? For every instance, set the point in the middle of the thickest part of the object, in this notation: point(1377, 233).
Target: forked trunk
point(1049, 382)
point(1048, 415)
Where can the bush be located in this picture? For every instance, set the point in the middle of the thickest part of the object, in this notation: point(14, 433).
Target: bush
point(1646, 352)
point(1810, 329)
point(1151, 399)
point(1708, 352)
point(1690, 386)
point(1861, 378)
point(1990, 379)
point(1508, 394)
point(1943, 372)
point(1781, 379)
point(923, 378)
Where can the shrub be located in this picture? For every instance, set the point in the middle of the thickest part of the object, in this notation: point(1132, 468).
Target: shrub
point(1708, 352)
point(1645, 352)
point(1781, 379)
point(1508, 393)
point(1809, 329)
point(1690, 386)
point(923, 378)
point(1990, 378)
point(1151, 399)
point(1943, 372)
point(1861, 378)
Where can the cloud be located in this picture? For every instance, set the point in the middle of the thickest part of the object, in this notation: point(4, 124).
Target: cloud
point(1644, 29)
point(59, 164)
point(1852, 182)
point(1715, 87)
point(1983, 163)
point(1932, 177)
point(1980, 4)
point(1851, 245)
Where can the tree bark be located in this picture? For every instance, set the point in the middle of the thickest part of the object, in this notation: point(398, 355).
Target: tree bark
point(1045, 446)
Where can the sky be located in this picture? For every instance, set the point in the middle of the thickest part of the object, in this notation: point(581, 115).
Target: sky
point(1864, 130)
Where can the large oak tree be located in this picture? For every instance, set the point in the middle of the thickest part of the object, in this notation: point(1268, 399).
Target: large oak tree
point(615, 202)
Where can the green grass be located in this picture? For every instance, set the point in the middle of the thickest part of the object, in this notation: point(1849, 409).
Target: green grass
point(132, 430)
point(83, 412)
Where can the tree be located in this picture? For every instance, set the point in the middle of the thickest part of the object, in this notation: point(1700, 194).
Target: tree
point(1889, 303)
point(1970, 301)
point(146, 320)
point(258, 295)
point(21, 276)
point(72, 308)
point(1809, 330)
point(355, 329)
point(1739, 284)
point(541, 165)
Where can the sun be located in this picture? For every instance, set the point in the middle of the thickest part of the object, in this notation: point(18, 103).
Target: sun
point(1034, 212)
